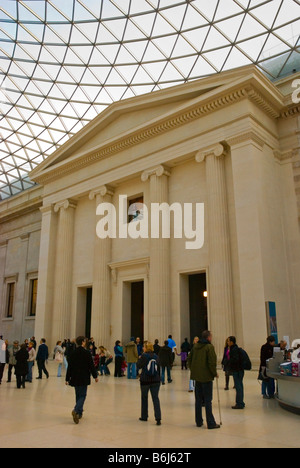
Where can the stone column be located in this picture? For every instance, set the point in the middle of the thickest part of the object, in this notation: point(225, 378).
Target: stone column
point(221, 306)
point(159, 277)
point(254, 236)
point(64, 270)
point(101, 307)
point(44, 310)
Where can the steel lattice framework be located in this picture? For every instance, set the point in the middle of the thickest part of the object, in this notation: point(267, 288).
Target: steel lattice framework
point(64, 61)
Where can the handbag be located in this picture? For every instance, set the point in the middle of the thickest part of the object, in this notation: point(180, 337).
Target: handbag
point(59, 357)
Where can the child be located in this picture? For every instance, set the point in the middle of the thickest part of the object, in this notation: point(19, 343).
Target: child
point(102, 362)
point(184, 357)
point(124, 366)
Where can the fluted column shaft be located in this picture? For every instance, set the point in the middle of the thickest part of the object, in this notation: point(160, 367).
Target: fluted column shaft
point(220, 268)
point(63, 272)
point(43, 321)
point(159, 278)
point(101, 306)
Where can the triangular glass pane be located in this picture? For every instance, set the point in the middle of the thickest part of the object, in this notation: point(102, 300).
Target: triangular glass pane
point(176, 16)
point(218, 57)
point(66, 7)
point(236, 59)
point(145, 22)
point(208, 9)
point(251, 28)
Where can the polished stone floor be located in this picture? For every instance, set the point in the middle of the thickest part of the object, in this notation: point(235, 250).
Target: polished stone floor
point(40, 416)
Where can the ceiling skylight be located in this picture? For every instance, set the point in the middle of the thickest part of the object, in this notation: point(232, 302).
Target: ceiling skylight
point(63, 62)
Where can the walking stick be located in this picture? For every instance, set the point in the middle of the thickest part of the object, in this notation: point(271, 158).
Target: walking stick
point(219, 402)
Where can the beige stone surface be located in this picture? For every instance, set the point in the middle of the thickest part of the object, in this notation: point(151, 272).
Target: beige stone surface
point(258, 196)
point(40, 417)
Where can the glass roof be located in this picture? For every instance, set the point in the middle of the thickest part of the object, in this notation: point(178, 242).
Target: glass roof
point(62, 62)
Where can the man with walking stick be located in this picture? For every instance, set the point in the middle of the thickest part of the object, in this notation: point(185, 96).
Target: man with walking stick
point(202, 362)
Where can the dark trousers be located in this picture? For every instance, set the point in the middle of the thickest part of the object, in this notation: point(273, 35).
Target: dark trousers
point(239, 386)
point(204, 393)
point(21, 381)
point(2, 366)
point(10, 369)
point(154, 390)
point(118, 366)
point(42, 368)
point(81, 394)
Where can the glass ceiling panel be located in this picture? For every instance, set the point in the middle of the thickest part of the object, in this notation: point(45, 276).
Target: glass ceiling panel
point(63, 62)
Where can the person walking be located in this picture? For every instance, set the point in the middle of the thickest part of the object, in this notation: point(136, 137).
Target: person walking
point(166, 362)
point(21, 368)
point(80, 369)
point(59, 357)
point(236, 369)
point(31, 359)
point(2, 358)
point(12, 351)
point(42, 357)
point(173, 346)
point(150, 382)
point(268, 384)
point(202, 362)
point(132, 358)
point(118, 359)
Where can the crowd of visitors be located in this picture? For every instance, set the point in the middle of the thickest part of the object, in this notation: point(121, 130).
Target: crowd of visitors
point(150, 363)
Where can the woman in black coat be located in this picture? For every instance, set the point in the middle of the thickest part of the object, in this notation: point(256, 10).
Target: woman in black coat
point(21, 369)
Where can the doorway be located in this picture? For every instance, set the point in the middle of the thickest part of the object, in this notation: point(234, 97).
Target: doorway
point(84, 311)
point(137, 310)
point(133, 310)
point(198, 305)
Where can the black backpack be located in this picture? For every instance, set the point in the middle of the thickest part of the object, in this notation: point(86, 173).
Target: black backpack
point(151, 369)
point(245, 360)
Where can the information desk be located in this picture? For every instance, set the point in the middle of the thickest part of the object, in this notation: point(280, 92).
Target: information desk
point(288, 391)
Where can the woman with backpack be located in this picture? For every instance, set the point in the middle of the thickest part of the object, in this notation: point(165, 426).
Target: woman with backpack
point(150, 382)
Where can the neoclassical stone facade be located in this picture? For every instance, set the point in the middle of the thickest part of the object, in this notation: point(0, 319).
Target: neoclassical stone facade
point(231, 142)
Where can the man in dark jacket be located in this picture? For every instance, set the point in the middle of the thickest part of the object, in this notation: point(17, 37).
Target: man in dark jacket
point(42, 357)
point(166, 361)
point(236, 369)
point(79, 372)
point(202, 362)
point(267, 352)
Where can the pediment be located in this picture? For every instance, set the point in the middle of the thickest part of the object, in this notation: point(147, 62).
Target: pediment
point(123, 119)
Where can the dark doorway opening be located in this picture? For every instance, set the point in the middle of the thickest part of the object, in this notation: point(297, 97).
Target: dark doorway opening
point(198, 305)
point(137, 310)
point(88, 316)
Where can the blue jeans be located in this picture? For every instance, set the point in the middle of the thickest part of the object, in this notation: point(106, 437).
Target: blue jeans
point(81, 393)
point(239, 386)
point(131, 370)
point(204, 393)
point(29, 375)
point(163, 371)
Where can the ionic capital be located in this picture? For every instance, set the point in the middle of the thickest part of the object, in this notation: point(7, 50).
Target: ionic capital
point(65, 205)
point(102, 191)
point(158, 171)
point(217, 150)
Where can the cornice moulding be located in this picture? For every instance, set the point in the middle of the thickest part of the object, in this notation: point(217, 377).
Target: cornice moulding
point(207, 104)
